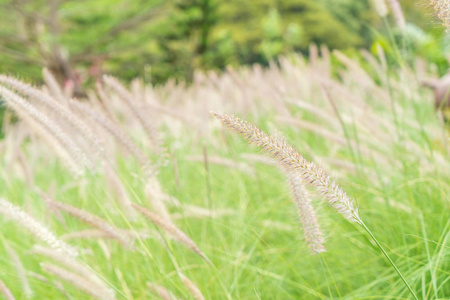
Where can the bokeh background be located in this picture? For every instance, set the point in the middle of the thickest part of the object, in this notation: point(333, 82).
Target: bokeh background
point(161, 40)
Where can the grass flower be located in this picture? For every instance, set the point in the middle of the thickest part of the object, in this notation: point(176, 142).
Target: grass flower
point(161, 292)
point(80, 282)
point(35, 228)
point(289, 159)
point(309, 173)
point(305, 210)
point(193, 289)
point(20, 271)
point(92, 220)
point(171, 229)
point(5, 291)
point(75, 267)
point(442, 9)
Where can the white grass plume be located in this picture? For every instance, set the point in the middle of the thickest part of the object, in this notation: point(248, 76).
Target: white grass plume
point(53, 86)
point(118, 188)
point(61, 151)
point(91, 219)
point(161, 292)
point(100, 234)
point(380, 7)
point(171, 229)
point(87, 234)
point(397, 12)
point(21, 106)
point(5, 291)
point(74, 266)
point(155, 196)
point(115, 131)
point(150, 129)
point(289, 159)
point(307, 215)
point(442, 9)
point(193, 289)
point(35, 95)
point(20, 269)
point(78, 281)
point(35, 228)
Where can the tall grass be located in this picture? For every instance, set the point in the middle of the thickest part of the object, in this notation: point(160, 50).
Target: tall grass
point(159, 201)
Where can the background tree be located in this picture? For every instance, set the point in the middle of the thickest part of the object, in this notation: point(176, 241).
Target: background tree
point(162, 39)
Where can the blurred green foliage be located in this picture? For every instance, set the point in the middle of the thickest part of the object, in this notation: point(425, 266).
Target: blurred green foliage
point(163, 39)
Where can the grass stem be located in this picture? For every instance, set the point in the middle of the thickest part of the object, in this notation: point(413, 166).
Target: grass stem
point(390, 260)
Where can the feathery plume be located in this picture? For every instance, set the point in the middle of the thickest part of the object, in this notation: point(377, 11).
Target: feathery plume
point(116, 132)
point(151, 131)
point(160, 291)
point(27, 170)
point(155, 196)
point(193, 289)
point(120, 191)
point(442, 9)
point(100, 234)
point(46, 281)
point(22, 106)
point(5, 291)
point(87, 234)
point(380, 7)
point(83, 284)
point(398, 13)
point(20, 271)
point(172, 230)
point(307, 215)
point(74, 266)
point(58, 108)
point(61, 151)
point(35, 228)
point(289, 159)
point(125, 289)
point(53, 86)
point(104, 101)
point(38, 277)
point(92, 220)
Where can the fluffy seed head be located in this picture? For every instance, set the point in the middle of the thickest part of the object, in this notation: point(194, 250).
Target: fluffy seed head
point(83, 284)
point(5, 291)
point(380, 7)
point(307, 215)
point(92, 220)
point(193, 289)
point(398, 13)
point(161, 292)
point(20, 271)
point(290, 160)
point(171, 229)
point(74, 266)
point(25, 109)
point(442, 10)
point(35, 228)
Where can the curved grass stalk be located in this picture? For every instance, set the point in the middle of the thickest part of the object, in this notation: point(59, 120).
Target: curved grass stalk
point(389, 259)
point(287, 157)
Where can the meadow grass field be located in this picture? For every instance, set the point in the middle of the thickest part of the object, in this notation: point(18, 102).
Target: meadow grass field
point(140, 193)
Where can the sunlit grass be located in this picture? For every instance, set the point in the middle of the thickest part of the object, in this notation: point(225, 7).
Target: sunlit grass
point(394, 167)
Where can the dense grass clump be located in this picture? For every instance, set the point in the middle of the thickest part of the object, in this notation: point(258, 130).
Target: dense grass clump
point(138, 193)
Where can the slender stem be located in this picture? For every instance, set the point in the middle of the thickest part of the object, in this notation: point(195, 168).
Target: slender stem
point(325, 275)
point(389, 259)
